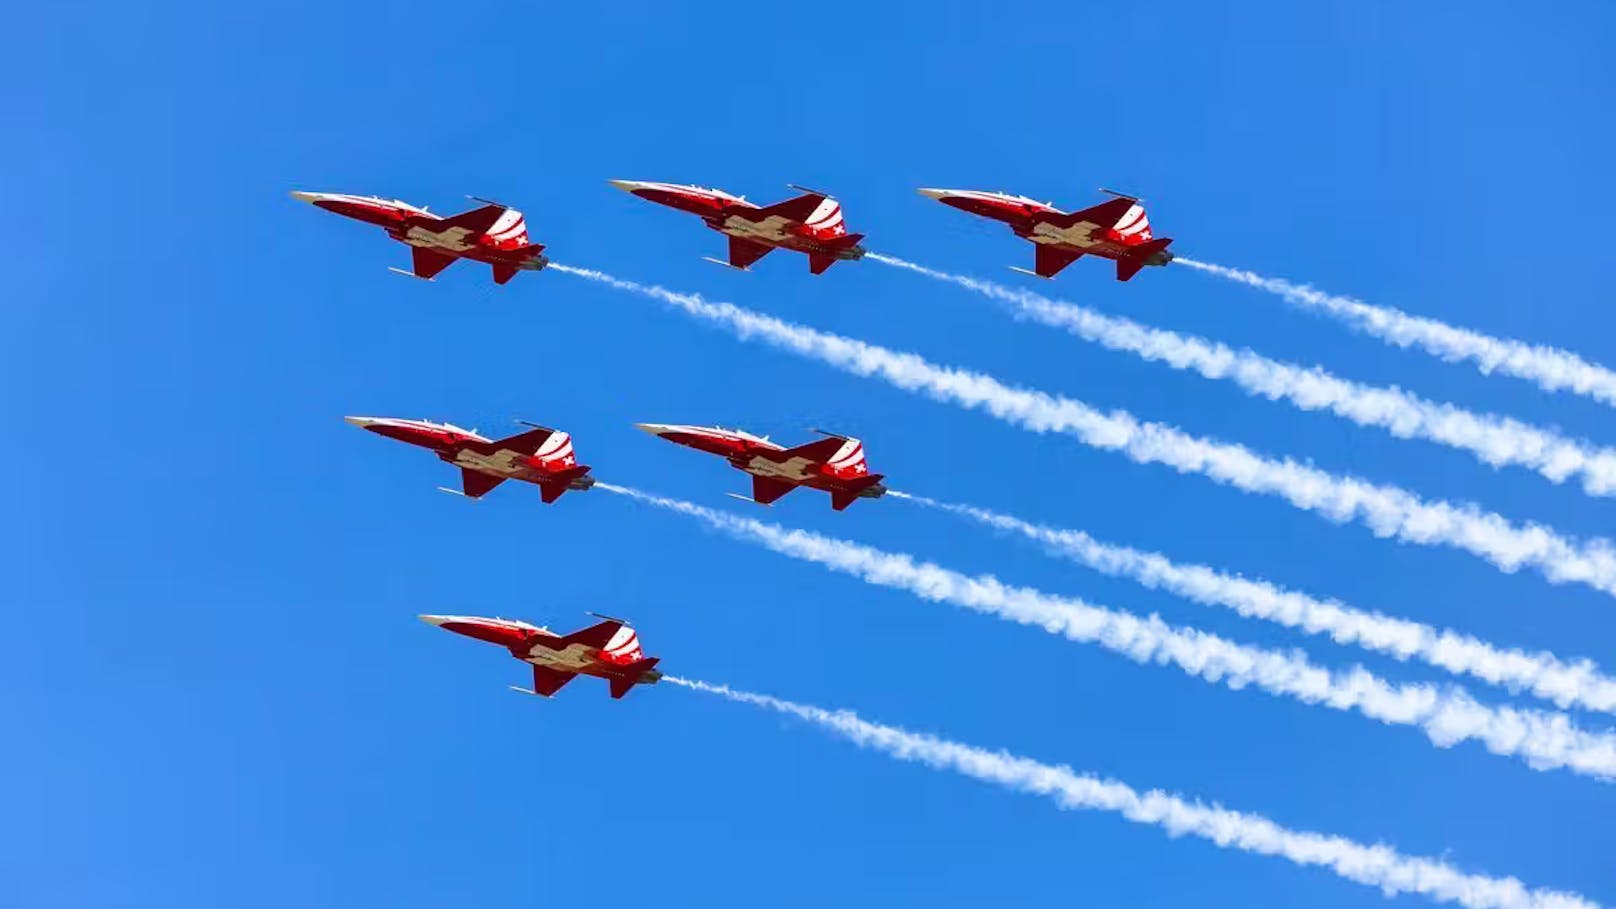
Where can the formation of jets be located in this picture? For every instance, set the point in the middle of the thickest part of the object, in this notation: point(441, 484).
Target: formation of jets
point(811, 223)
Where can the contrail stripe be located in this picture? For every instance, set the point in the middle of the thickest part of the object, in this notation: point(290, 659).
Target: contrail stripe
point(1446, 715)
point(1387, 511)
point(1377, 865)
point(1494, 440)
point(1578, 683)
point(1549, 368)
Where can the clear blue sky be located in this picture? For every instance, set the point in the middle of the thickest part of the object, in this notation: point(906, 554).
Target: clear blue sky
point(217, 692)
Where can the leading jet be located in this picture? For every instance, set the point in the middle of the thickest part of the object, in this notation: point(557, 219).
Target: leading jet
point(1116, 229)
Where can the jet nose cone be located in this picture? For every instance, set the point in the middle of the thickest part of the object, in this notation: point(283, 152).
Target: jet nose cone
point(932, 193)
point(361, 422)
point(627, 186)
point(435, 619)
point(655, 429)
point(310, 198)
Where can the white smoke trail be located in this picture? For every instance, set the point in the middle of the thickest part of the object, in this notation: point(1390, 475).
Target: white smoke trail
point(1550, 368)
point(1375, 865)
point(1495, 440)
point(1579, 683)
point(1387, 510)
point(1447, 716)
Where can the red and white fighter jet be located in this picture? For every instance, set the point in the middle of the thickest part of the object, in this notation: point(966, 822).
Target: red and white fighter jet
point(1116, 229)
point(609, 650)
point(835, 463)
point(811, 223)
point(494, 234)
point(541, 455)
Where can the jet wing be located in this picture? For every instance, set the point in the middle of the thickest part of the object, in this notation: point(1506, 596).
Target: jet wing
point(475, 484)
point(526, 443)
point(743, 253)
point(477, 221)
point(1106, 214)
point(819, 450)
point(427, 263)
point(547, 681)
point(596, 636)
point(765, 490)
point(796, 210)
point(1049, 260)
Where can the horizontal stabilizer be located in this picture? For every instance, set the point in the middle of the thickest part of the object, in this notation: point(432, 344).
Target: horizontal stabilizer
point(560, 482)
point(858, 489)
point(1152, 253)
point(633, 674)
